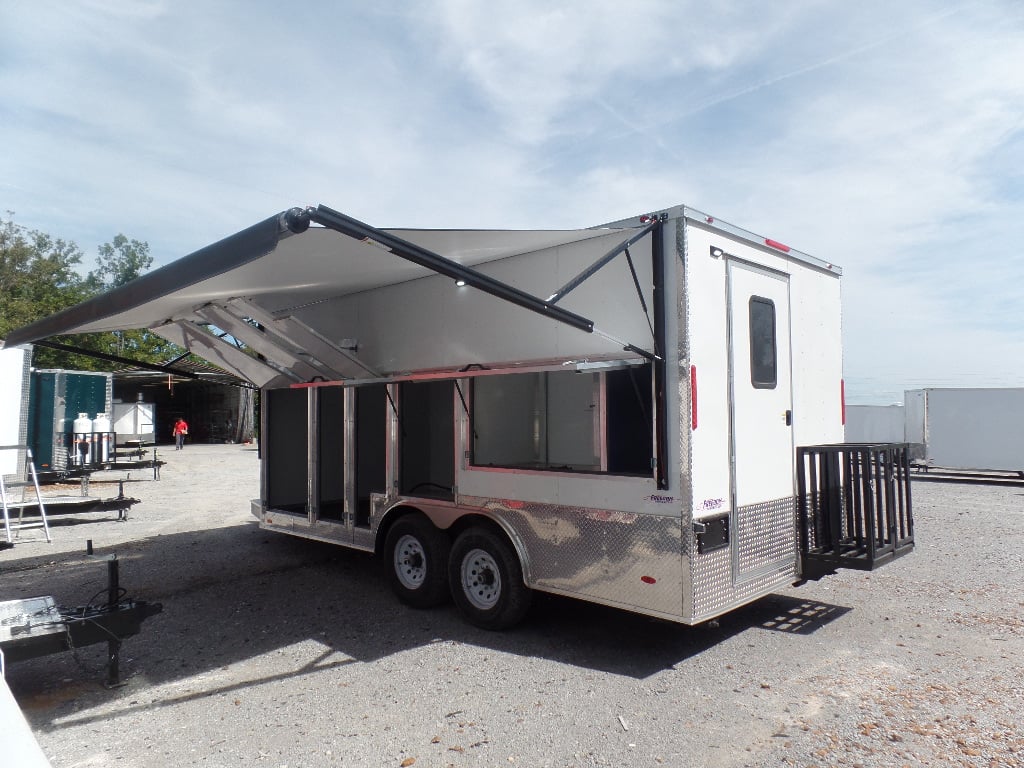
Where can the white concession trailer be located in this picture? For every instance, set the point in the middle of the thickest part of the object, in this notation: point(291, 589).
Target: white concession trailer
point(629, 414)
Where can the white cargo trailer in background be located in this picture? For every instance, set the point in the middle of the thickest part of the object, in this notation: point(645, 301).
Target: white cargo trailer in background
point(612, 413)
point(14, 384)
point(981, 429)
point(875, 424)
point(133, 422)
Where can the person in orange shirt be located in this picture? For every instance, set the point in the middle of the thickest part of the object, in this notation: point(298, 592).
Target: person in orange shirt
point(179, 432)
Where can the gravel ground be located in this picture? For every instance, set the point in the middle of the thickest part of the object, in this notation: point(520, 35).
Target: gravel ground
point(282, 652)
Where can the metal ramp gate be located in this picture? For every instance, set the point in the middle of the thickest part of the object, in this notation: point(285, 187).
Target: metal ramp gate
point(9, 504)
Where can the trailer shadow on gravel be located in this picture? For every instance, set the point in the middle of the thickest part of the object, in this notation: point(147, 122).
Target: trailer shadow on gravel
point(244, 608)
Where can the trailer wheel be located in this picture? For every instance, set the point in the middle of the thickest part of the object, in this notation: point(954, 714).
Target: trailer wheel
point(487, 580)
point(417, 554)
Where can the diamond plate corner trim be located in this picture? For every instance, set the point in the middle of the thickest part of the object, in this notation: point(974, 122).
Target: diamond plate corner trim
point(765, 542)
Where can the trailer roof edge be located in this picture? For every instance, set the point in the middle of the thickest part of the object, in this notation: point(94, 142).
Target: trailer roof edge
point(703, 219)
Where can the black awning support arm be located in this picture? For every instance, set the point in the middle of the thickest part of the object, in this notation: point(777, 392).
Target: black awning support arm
point(590, 271)
point(116, 359)
point(298, 220)
point(627, 347)
point(643, 302)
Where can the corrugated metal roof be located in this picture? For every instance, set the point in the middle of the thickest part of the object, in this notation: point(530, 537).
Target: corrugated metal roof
point(199, 370)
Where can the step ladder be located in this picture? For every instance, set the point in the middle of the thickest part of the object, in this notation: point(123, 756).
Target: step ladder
point(10, 505)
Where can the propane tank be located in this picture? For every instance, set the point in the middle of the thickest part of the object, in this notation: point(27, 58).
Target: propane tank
point(81, 440)
point(101, 439)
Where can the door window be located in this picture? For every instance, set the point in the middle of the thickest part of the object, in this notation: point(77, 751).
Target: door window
point(763, 353)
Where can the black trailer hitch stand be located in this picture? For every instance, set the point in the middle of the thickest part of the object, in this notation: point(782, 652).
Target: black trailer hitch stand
point(37, 627)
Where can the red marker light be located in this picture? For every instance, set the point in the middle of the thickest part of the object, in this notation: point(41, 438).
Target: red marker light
point(776, 245)
point(648, 579)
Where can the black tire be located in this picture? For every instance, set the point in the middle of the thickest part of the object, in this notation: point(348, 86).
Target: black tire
point(487, 580)
point(417, 562)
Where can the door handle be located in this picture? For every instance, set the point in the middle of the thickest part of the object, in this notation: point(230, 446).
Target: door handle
point(788, 417)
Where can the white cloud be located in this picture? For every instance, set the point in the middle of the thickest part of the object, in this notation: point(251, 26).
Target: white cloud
point(886, 138)
point(536, 63)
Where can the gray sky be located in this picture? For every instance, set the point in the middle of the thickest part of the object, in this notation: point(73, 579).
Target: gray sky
point(885, 137)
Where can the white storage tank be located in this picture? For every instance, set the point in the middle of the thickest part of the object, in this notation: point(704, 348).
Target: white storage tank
point(101, 439)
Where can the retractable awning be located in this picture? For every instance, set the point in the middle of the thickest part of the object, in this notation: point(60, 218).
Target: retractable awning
point(346, 300)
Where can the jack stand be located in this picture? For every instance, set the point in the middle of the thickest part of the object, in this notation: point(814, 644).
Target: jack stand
point(37, 627)
point(114, 645)
point(122, 512)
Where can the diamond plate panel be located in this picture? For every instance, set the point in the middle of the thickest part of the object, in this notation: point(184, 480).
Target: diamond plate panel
point(765, 542)
point(624, 559)
point(765, 534)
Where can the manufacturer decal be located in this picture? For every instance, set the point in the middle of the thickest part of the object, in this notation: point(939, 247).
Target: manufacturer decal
point(657, 499)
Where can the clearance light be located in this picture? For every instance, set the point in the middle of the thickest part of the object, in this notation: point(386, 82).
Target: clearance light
point(648, 579)
point(776, 245)
point(460, 283)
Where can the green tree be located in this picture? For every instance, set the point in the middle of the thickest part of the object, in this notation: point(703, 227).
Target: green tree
point(39, 276)
point(119, 262)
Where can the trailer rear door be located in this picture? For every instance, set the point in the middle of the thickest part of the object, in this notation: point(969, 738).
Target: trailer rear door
point(762, 417)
